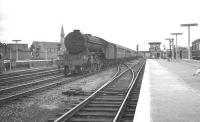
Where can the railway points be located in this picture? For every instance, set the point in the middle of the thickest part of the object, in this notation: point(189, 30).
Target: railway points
point(111, 101)
point(169, 92)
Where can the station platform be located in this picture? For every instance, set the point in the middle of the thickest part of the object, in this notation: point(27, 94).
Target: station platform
point(169, 92)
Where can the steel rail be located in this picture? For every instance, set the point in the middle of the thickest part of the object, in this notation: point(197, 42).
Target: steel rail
point(72, 111)
point(118, 115)
point(28, 74)
point(29, 92)
point(28, 84)
point(14, 73)
point(22, 94)
point(28, 78)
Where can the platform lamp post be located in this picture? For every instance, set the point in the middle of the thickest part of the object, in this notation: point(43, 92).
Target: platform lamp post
point(170, 43)
point(176, 43)
point(16, 48)
point(189, 25)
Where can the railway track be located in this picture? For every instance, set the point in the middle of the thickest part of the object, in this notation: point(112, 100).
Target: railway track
point(12, 93)
point(127, 109)
point(5, 82)
point(16, 92)
point(28, 71)
point(107, 103)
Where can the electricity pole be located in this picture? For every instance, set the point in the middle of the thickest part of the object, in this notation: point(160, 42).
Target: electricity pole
point(189, 25)
point(172, 48)
point(176, 43)
point(170, 44)
point(137, 47)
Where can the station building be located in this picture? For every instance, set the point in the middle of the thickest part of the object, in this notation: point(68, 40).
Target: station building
point(44, 50)
point(23, 51)
point(48, 50)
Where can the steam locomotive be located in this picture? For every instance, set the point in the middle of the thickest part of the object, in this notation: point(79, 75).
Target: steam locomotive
point(87, 53)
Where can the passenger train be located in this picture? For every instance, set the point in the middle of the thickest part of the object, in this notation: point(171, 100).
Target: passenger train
point(196, 49)
point(87, 53)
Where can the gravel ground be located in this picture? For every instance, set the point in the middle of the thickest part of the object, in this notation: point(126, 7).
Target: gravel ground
point(42, 106)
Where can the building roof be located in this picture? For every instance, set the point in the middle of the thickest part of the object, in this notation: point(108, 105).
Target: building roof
point(21, 47)
point(46, 44)
point(154, 42)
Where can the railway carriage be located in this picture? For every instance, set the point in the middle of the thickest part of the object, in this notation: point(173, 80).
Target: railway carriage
point(196, 49)
point(87, 53)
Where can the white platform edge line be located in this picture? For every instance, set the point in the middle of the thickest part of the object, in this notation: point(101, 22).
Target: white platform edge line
point(143, 110)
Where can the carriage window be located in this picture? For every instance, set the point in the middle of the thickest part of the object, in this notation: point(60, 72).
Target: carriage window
point(0, 56)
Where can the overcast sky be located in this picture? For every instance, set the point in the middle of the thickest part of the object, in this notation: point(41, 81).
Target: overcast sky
point(124, 22)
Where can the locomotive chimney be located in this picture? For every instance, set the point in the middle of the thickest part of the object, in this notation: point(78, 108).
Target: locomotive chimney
point(76, 30)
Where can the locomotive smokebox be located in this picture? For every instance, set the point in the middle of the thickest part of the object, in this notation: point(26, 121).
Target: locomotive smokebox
point(75, 42)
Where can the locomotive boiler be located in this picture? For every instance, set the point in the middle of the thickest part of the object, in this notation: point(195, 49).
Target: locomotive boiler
point(87, 53)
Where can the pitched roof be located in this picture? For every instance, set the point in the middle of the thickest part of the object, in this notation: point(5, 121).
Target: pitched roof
point(21, 47)
point(46, 44)
point(154, 42)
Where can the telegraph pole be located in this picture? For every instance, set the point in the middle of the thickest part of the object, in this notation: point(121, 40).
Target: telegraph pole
point(189, 25)
point(137, 47)
point(176, 43)
point(16, 48)
point(170, 43)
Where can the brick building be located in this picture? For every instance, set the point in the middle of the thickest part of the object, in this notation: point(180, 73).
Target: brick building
point(44, 50)
point(23, 51)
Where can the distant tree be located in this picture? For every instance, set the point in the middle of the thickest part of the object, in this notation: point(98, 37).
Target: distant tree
point(4, 46)
point(32, 47)
point(35, 51)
